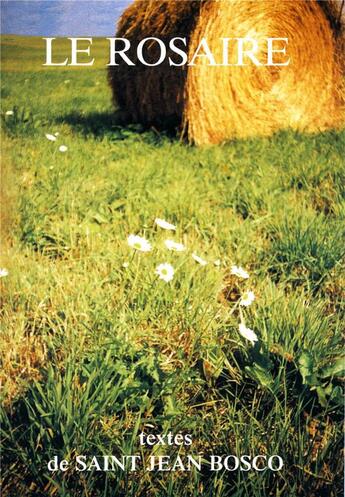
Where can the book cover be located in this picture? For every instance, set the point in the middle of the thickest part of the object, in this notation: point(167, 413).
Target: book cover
point(172, 248)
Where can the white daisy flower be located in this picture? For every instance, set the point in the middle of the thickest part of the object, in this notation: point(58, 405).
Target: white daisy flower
point(165, 272)
point(9, 113)
point(125, 265)
point(164, 224)
point(199, 260)
point(139, 243)
point(247, 298)
point(240, 272)
point(63, 148)
point(217, 262)
point(177, 247)
point(247, 333)
point(3, 272)
point(50, 137)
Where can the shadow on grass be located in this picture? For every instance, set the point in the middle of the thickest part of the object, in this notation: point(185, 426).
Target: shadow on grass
point(114, 126)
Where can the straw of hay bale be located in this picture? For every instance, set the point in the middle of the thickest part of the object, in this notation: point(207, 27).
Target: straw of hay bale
point(335, 12)
point(213, 104)
point(227, 102)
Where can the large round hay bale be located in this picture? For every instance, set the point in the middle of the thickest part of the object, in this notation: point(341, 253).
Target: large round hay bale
point(215, 103)
point(152, 95)
point(225, 102)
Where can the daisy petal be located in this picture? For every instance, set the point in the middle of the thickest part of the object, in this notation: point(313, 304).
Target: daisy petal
point(165, 272)
point(177, 247)
point(247, 298)
point(162, 223)
point(139, 243)
point(239, 272)
point(247, 333)
point(199, 260)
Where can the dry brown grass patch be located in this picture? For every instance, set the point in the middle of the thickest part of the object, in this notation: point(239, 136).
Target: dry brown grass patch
point(22, 358)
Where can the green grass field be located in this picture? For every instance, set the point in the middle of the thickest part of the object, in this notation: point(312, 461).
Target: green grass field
point(95, 352)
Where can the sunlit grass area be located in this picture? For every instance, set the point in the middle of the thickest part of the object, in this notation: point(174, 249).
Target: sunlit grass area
point(97, 348)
